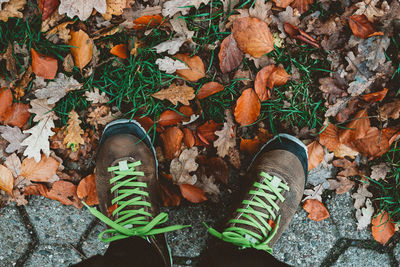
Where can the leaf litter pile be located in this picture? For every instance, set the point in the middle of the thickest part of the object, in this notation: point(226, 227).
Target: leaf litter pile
point(211, 81)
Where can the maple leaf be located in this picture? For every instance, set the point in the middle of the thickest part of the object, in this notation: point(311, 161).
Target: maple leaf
point(11, 9)
point(42, 110)
point(57, 89)
point(314, 193)
point(181, 167)
point(39, 139)
point(364, 215)
point(14, 136)
point(73, 138)
point(176, 93)
point(81, 8)
point(172, 7)
point(360, 196)
point(169, 65)
point(6, 179)
point(226, 136)
point(95, 97)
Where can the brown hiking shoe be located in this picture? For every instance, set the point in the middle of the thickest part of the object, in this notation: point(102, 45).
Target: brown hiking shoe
point(276, 179)
point(127, 187)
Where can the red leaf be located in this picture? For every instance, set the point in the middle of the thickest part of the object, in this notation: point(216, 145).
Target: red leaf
point(207, 130)
point(170, 117)
point(17, 115)
point(362, 27)
point(44, 66)
point(120, 51)
point(188, 138)
point(230, 56)
point(6, 100)
point(47, 7)
point(172, 139)
point(87, 190)
point(260, 83)
point(192, 193)
point(150, 21)
point(145, 122)
point(382, 228)
point(375, 97)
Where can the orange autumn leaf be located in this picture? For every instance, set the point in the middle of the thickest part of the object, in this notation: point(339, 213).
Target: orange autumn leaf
point(188, 138)
point(260, 83)
point(6, 179)
point(250, 146)
point(172, 139)
point(208, 89)
point(192, 193)
point(376, 96)
point(120, 50)
point(247, 108)
point(315, 154)
point(282, 3)
point(42, 171)
point(362, 27)
point(230, 56)
point(44, 66)
point(170, 117)
point(315, 208)
point(16, 115)
point(145, 122)
point(278, 77)
point(150, 21)
point(82, 48)
point(302, 5)
point(253, 36)
point(6, 100)
point(87, 190)
point(207, 130)
point(169, 197)
point(196, 69)
point(356, 129)
point(382, 228)
point(186, 110)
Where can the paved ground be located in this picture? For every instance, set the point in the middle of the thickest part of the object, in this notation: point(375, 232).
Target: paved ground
point(47, 233)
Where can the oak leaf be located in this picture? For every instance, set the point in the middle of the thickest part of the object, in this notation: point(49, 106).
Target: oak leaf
point(379, 171)
point(315, 154)
point(230, 56)
point(314, 193)
point(44, 66)
point(82, 48)
point(208, 89)
point(172, 46)
point(73, 138)
point(388, 110)
point(196, 69)
point(192, 193)
point(115, 7)
point(86, 190)
point(247, 108)
point(369, 9)
point(6, 179)
point(382, 227)
point(315, 208)
point(14, 136)
point(176, 93)
point(341, 185)
point(12, 9)
point(81, 8)
point(95, 97)
point(43, 171)
point(120, 51)
point(101, 116)
point(3, 1)
point(302, 5)
point(364, 215)
point(172, 139)
point(13, 163)
point(226, 137)
point(42, 110)
point(182, 168)
point(361, 195)
point(169, 65)
point(253, 36)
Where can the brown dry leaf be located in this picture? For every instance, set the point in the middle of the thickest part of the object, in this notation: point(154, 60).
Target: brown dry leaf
point(42, 110)
point(23, 83)
point(234, 157)
point(115, 7)
point(6, 180)
point(315, 154)
point(6, 100)
point(16, 115)
point(169, 197)
point(247, 108)
point(68, 63)
point(302, 5)
point(170, 117)
point(253, 36)
point(315, 193)
point(282, 3)
point(10, 60)
point(42, 171)
point(330, 137)
point(13, 163)
point(362, 27)
point(82, 8)
point(356, 129)
point(388, 110)
point(192, 193)
point(47, 7)
point(188, 138)
point(350, 168)
point(83, 48)
point(250, 146)
point(208, 89)
point(376, 96)
point(176, 93)
point(278, 77)
point(317, 211)
point(120, 51)
point(11, 9)
point(73, 138)
point(172, 142)
point(196, 66)
point(44, 66)
point(214, 167)
point(208, 129)
point(341, 185)
point(226, 137)
point(230, 56)
point(95, 96)
point(260, 83)
point(182, 168)
point(379, 171)
point(14, 136)
point(87, 190)
point(361, 195)
point(382, 227)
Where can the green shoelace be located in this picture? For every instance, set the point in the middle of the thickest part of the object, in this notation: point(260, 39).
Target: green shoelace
point(270, 189)
point(131, 222)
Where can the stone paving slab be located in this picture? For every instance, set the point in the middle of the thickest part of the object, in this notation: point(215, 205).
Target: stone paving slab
point(53, 255)
point(362, 257)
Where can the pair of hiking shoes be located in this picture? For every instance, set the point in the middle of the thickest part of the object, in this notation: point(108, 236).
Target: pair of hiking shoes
point(128, 190)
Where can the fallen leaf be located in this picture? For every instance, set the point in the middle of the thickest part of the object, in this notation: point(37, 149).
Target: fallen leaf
point(247, 108)
point(364, 215)
point(234, 158)
point(120, 51)
point(208, 129)
point(44, 66)
point(14, 136)
point(6, 180)
point(81, 8)
point(214, 167)
point(362, 27)
point(296, 33)
point(172, 7)
point(115, 7)
point(145, 122)
point(230, 56)
point(47, 7)
point(172, 46)
point(341, 185)
point(170, 117)
point(314, 193)
point(192, 193)
point(82, 47)
point(86, 190)
point(42, 171)
point(95, 97)
point(10, 60)
point(182, 168)
point(188, 138)
point(147, 21)
point(16, 115)
point(39, 139)
point(250, 146)
point(207, 184)
point(176, 93)
point(369, 9)
point(226, 137)
point(208, 89)
point(172, 139)
point(73, 137)
point(101, 116)
point(388, 110)
point(376, 96)
point(269, 76)
point(13, 163)
point(317, 211)
point(169, 197)
point(169, 65)
point(360, 196)
point(11, 9)
point(379, 171)
point(6, 100)
point(382, 227)
point(350, 168)
point(356, 129)
point(282, 3)
point(302, 5)
point(196, 69)
point(253, 36)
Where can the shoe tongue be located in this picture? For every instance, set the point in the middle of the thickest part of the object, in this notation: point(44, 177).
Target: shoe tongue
point(123, 165)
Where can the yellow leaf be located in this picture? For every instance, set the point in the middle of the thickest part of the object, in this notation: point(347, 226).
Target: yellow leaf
point(83, 48)
point(74, 132)
point(115, 7)
point(10, 9)
point(175, 93)
point(6, 179)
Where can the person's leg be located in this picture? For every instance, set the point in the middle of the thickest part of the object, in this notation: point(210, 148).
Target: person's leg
point(274, 187)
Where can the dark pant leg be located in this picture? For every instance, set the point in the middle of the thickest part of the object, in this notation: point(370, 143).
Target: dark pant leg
point(128, 252)
point(226, 254)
